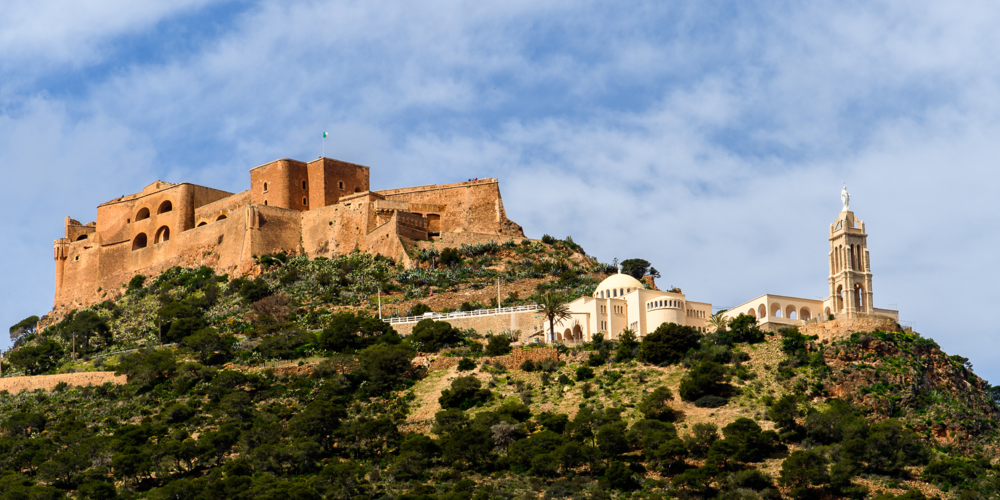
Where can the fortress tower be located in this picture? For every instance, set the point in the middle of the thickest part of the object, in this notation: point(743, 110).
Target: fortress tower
point(850, 270)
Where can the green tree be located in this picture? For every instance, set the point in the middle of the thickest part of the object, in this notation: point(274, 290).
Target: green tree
point(668, 343)
point(22, 329)
point(435, 335)
point(742, 328)
point(498, 345)
point(348, 332)
point(209, 347)
point(636, 268)
point(180, 319)
point(84, 328)
point(385, 365)
point(627, 344)
point(657, 405)
point(465, 392)
point(803, 469)
point(707, 378)
point(553, 306)
point(148, 365)
point(37, 359)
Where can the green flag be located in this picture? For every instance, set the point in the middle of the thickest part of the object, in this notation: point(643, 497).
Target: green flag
point(324, 135)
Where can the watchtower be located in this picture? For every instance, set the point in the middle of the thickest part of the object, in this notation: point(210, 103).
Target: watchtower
point(850, 269)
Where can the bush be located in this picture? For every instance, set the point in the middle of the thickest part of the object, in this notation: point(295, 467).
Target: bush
point(656, 405)
point(707, 378)
point(528, 365)
point(548, 240)
point(584, 373)
point(498, 345)
point(803, 469)
point(209, 347)
point(385, 365)
point(668, 343)
point(435, 335)
point(742, 328)
point(450, 257)
point(148, 365)
point(466, 364)
point(349, 332)
point(620, 477)
point(254, 290)
point(37, 359)
point(288, 346)
point(464, 393)
point(419, 309)
point(710, 402)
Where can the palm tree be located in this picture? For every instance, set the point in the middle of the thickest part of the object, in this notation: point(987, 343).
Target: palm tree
point(718, 321)
point(554, 308)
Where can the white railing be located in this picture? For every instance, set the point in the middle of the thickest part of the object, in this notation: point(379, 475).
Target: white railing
point(464, 314)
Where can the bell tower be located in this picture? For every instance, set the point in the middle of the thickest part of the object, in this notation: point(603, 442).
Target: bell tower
point(850, 270)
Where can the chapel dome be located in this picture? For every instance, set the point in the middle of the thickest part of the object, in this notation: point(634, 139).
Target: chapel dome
point(621, 282)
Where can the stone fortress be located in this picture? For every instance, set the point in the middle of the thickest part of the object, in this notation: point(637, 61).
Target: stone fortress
point(321, 208)
point(622, 302)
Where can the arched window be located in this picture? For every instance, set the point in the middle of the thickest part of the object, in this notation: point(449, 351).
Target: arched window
point(165, 207)
point(142, 214)
point(751, 312)
point(202, 223)
point(222, 217)
point(304, 202)
point(340, 184)
point(81, 237)
point(303, 184)
point(762, 311)
point(139, 241)
point(265, 203)
point(265, 187)
point(776, 310)
point(615, 293)
point(162, 234)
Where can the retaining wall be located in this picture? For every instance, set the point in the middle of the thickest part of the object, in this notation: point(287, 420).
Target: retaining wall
point(526, 321)
point(15, 385)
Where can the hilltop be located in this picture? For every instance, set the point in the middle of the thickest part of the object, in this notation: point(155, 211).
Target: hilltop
point(284, 383)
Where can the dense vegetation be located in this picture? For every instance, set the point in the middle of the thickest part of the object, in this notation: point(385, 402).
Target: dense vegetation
point(209, 418)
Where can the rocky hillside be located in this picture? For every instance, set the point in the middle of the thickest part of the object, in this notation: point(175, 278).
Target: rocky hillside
point(284, 385)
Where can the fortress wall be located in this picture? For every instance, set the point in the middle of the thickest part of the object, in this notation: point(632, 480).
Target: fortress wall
point(828, 330)
point(224, 206)
point(355, 179)
point(15, 385)
point(384, 240)
point(205, 195)
point(470, 206)
point(278, 229)
point(79, 276)
point(526, 321)
point(334, 230)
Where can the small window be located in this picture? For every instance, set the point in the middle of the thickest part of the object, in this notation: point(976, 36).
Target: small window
point(82, 237)
point(341, 184)
point(304, 202)
point(303, 184)
point(265, 187)
point(265, 203)
point(76, 258)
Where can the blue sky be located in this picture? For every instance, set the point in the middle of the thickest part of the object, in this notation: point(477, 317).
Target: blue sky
point(711, 140)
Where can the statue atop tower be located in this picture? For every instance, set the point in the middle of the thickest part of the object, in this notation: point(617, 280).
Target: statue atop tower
point(845, 198)
point(850, 276)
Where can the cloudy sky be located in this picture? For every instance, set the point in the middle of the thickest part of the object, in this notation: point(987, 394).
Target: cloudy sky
point(711, 140)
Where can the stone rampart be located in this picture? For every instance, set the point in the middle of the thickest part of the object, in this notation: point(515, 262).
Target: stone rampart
point(15, 385)
point(828, 330)
point(527, 322)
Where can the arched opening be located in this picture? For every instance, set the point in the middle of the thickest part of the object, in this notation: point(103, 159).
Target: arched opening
point(776, 310)
point(221, 217)
point(304, 202)
point(790, 312)
point(762, 311)
point(805, 314)
point(827, 312)
point(165, 207)
point(751, 312)
point(859, 293)
point(81, 237)
point(265, 187)
point(139, 241)
point(839, 298)
point(577, 332)
point(162, 234)
point(303, 184)
point(615, 293)
point(142, 214)
point(567, 334)
point(202, 223)
point(265, 203)
point(357, 190)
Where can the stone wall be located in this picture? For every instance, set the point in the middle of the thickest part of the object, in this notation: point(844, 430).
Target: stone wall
point(518, 356)
point(828, 330)
point(528, 322)
point(15, 385)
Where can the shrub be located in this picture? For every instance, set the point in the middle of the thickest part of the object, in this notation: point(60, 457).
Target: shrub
point(707, 378)
point(595, 359)
point(656, 405)
point(464, 393)
point(584, 373)
point(528, 365)
point(668, 343)
point(466, 364)
point(254, 290)
point(385, 365)
point(136, 283)
point(349, 332)
point(742, 328)
point(419, 309)
point(620, 477)
point(209, 347)
point(148, 365)
point(435, 335)
point(498, 345)
point(803, 469)
point(450, 257)
point(37, 359)
point(548, 240)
